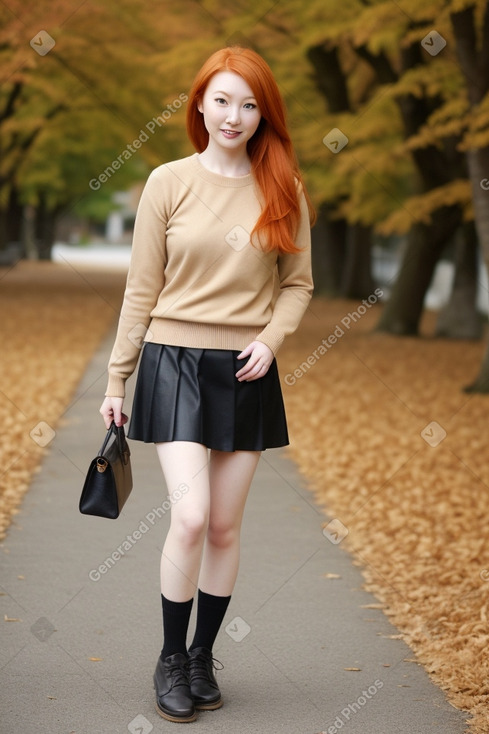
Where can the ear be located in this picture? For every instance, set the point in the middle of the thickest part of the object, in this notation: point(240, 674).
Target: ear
point(200, 106)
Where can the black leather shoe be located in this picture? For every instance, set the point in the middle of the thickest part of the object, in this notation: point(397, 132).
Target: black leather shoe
point(203, 685)
point(173, 699)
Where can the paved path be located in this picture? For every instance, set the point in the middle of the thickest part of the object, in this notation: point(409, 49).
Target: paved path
point(80, 657)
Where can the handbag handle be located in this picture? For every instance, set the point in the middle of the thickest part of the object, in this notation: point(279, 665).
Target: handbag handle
point(121, 443)
point(123, 447)
point(110, 431)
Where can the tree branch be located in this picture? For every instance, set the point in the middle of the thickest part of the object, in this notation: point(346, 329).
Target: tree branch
point(329, 77)
point(471, 63)
point(9, 105)
point(380, 64)
point(484, 53)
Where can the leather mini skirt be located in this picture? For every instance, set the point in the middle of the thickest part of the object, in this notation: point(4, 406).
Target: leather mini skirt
point(188, 394)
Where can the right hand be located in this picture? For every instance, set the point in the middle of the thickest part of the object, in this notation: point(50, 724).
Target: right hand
point(111, 410)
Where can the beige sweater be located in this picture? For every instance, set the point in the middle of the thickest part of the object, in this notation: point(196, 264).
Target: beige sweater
point(195, 280)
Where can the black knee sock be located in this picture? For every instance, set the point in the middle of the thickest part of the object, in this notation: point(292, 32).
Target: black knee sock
point(210, 613)
point(176, 616)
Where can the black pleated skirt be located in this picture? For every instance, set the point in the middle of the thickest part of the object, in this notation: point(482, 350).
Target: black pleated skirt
point(187, 394)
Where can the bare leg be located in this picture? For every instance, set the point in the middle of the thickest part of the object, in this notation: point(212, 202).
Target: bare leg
point(184, 463)
point(230, 475)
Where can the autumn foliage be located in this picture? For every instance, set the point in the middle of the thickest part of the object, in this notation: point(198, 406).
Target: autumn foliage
point(388, 108)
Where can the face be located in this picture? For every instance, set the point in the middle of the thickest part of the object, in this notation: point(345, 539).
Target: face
point(231, 114)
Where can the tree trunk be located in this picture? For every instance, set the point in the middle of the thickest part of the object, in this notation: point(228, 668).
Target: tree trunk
point(481, 383)
point(13, 217)
point(329, 77)
point(402, 312)
point(45, 229)
point(328, 252)
point(435, 166)
point(29, 232)
point(478, 161)
point(474, 60)
point(460, 318)
point(4, 240)
point(343, 260)
point(357, 281)
point(11, 230)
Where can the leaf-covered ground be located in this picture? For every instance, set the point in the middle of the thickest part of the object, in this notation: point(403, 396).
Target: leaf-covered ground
point(53, 318)
point(392, 447)
point(396, 453)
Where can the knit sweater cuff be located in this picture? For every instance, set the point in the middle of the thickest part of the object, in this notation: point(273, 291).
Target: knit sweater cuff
point(116, 387)
point(271, 338)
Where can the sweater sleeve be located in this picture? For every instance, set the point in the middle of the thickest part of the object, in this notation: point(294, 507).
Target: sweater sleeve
point(295, 287)
point(144, 284)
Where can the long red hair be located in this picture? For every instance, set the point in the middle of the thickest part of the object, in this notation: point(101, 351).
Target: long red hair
point(273, 161)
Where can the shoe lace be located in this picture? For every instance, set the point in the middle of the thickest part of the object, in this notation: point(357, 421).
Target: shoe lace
point(200, 664)
point(178, 674)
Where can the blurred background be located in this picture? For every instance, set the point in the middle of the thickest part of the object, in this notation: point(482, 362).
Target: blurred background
point(388, 109)
point(401, 184)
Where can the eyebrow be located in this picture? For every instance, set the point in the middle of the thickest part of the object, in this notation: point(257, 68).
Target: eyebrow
point(220, 91)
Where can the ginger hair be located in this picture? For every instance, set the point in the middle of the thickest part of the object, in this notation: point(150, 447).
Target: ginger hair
point(273, 161)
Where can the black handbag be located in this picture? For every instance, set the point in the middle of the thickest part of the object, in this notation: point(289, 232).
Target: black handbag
point(108, 483)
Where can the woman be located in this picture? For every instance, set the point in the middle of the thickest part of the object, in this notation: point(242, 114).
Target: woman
point(220, 273)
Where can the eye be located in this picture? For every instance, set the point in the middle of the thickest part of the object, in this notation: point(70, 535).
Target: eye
point(250, 106)
point(220, 100)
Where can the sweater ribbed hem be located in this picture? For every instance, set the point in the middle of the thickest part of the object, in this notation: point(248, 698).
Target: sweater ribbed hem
point(200, 336)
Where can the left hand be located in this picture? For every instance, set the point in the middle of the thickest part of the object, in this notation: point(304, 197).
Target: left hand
point(260, 359)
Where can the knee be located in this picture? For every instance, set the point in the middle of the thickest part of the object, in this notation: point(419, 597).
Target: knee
point(190, 528)
point(222, 535)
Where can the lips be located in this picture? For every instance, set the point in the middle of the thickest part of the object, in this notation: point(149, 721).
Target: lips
point(231, 133)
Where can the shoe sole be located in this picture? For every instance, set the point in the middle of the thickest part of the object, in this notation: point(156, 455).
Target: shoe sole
point(209, 706)
point(177, 719)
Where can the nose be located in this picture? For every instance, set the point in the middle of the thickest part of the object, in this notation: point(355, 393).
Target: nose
point(233, 116)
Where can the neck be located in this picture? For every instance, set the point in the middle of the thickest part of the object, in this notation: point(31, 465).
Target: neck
point(232, 163)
